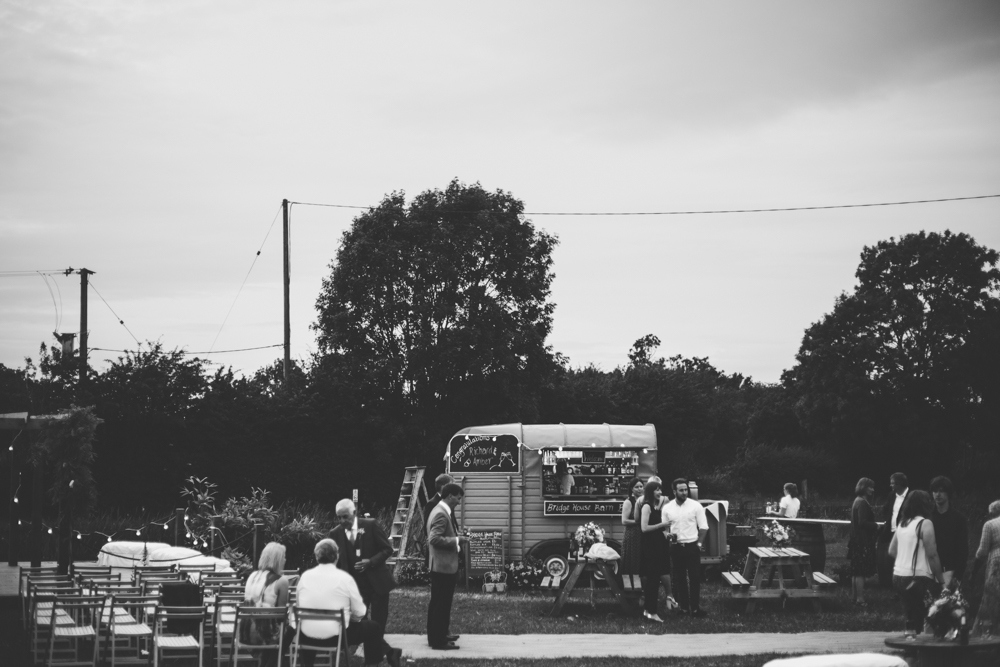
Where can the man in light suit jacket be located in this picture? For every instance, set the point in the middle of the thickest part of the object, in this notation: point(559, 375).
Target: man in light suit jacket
point(364, 549)
point(444, 546)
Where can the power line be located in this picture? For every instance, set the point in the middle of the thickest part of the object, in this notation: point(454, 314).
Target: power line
point(713, 212)
point(242, 349)
point(240, 290)
point(120, 320)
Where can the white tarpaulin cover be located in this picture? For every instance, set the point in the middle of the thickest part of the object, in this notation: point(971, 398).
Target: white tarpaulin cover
point(130, 554)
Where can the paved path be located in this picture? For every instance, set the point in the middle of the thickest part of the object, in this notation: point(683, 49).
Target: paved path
point(643, 646)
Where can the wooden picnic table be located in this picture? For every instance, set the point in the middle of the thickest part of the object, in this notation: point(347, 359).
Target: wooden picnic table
point(592, 566)
point(772, 573)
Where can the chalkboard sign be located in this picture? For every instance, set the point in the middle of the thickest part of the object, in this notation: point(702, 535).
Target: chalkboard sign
point(484, 453)
point(484, 552)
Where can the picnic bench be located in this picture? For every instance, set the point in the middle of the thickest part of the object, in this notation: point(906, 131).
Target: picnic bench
point(772, 573)
point(579, 567)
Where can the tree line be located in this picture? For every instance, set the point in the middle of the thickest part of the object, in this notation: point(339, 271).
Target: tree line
point(435, 316)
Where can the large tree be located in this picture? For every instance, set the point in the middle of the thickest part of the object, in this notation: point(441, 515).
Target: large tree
point(895, 374)
point(441, 306)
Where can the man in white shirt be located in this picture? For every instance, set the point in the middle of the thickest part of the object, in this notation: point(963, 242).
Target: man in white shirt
point(900, 489)
point(328, 587)
point(689, 525)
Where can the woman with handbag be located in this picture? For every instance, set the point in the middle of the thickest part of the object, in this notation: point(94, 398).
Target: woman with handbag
point(917, 568)
point(266, 587)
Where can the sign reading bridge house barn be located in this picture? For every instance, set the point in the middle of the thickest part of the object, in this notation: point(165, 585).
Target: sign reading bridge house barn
point(485, 453)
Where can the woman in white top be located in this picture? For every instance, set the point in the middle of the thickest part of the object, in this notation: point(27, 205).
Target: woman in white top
point(789, 505)
point(917, 567)
point(267, 587)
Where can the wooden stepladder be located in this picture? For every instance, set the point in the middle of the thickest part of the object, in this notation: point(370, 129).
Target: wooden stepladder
point(408, 510)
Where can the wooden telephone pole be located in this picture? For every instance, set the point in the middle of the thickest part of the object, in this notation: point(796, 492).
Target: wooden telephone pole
point(287, 280)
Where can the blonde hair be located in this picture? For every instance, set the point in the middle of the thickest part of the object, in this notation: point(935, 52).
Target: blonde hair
point(272, 557)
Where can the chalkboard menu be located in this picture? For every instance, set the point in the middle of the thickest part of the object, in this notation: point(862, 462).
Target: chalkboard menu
point(484, 552)
point(484, 453)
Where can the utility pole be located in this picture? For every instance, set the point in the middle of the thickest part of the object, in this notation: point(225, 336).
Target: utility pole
point(287, 281)
point(83, 331)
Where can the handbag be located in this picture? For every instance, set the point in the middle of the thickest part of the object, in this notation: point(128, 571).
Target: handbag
point(260, 631)
point(911, 587)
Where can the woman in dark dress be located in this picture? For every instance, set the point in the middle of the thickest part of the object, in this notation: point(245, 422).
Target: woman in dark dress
point(861, 547)
point(655, 551)
point(632, 540)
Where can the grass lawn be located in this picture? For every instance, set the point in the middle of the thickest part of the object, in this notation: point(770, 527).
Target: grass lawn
point(527, 613)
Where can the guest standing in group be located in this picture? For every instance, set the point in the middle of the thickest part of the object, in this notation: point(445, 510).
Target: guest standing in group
point(268, 587)
point(861, 548)
point(689, 525)
point(917, 567)
point(364, 549)
point(952, 532)
point(900, 490)
point(445, 545)
point(328, 587)
point(632, 540)
point(439, 483)
point(655, 551)
point(988, 618)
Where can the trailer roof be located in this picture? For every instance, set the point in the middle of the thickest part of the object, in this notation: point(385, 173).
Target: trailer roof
point(551, 436)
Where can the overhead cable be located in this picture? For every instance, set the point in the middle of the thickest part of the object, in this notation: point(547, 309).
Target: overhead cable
point(776, 209)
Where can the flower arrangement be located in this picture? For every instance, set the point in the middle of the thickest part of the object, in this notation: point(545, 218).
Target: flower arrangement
point(526, 574)
point(779, 535)
point(947, 615)
point(586, 535)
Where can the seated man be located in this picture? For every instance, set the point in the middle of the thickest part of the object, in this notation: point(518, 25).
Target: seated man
point(328, 587)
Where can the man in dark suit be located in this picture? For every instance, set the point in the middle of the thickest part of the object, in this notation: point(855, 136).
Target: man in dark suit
point(893, 516)
point(445, 547)
point(439, 483)
point(364, 549)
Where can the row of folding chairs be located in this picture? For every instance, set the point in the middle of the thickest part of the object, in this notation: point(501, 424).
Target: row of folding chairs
point(134, 627)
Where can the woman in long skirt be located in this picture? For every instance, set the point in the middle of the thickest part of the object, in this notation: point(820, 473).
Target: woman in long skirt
point(632, 540)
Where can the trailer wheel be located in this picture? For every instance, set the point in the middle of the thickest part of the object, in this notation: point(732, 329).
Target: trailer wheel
point(556, 565)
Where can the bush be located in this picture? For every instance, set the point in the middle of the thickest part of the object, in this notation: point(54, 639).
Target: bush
point(765, 468)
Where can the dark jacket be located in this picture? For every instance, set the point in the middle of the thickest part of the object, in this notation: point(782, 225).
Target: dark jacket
point(374, 545)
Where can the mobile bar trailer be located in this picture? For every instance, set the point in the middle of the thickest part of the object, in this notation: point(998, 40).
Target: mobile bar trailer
point(514, 481)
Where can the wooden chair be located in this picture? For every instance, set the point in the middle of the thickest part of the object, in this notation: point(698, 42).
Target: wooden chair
point(246, 613)
point(82, 570)
point(301, 642)
point(128, 620)
point(41, 606)
point(75, 619)
point(180, 629)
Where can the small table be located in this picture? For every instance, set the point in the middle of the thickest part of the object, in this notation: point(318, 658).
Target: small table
point(592, 566)
point(779, 566)
point(934, 652)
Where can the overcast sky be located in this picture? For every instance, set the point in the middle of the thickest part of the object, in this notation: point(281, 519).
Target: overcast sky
point(153, 142)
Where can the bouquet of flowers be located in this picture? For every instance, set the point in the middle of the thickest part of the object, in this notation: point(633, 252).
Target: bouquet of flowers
point(947, 614)
point(779, 535)
point(587, 535)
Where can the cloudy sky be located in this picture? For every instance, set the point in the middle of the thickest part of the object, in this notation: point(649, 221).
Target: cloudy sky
point(153, 142)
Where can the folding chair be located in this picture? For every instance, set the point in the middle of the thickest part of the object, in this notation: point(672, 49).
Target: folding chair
point(246, 613)
point(128, 620)
point(301, 642)
point(223, 613)
point(75, 619)
point(41, 605)
point(85, 569)
point(180, 629)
